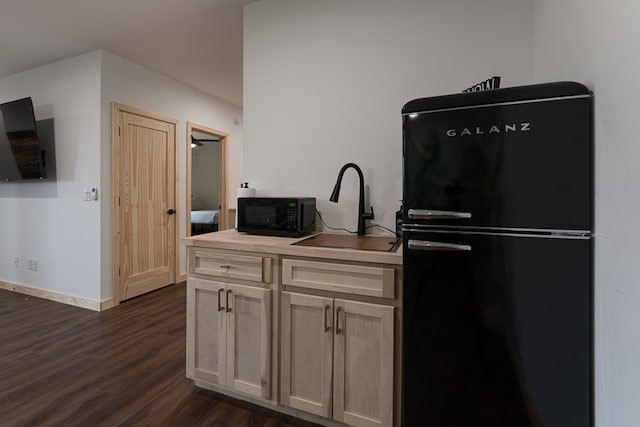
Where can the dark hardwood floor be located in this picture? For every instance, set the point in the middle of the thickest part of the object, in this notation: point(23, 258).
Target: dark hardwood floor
point(65, 366)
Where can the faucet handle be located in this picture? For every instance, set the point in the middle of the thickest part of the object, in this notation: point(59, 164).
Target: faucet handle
point(369, 215)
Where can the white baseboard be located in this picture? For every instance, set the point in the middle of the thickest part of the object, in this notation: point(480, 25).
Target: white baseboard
point(58, 296)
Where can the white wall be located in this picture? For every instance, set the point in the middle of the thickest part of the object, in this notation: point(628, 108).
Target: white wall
point(596, 43)
point(325, 82)
point(127, 83)
point(49, 220)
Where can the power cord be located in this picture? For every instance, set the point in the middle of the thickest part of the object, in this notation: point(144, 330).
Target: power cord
point(349, 231)
point(383, 227)
point(332, 228)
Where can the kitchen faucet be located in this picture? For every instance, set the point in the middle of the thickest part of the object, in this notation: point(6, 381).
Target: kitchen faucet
point(362, 216)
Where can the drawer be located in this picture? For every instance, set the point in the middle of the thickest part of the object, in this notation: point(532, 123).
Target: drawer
point(351, 279)
point(232, 266)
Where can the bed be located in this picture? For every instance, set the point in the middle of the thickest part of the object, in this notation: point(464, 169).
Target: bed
point(203, 221)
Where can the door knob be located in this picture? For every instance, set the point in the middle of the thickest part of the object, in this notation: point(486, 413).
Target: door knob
point(171, 211)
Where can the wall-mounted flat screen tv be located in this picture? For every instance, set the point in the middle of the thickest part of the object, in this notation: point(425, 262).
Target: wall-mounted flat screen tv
point(21, 157)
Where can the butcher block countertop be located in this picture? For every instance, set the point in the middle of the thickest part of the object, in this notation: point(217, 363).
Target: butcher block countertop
point(232, 240)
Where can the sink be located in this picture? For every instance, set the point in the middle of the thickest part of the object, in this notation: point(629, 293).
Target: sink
point(352, 241)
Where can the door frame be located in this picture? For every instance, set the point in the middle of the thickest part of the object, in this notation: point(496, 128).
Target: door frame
point(223, 174)
point(116, 158)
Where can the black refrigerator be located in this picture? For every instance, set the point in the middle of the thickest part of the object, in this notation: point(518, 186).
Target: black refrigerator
point(498, 258)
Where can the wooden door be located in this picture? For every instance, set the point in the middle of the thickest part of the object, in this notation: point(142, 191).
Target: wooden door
point(307, 352)
point(206, 331)
point(144, 185)
point(363, 364)
point(249, 339)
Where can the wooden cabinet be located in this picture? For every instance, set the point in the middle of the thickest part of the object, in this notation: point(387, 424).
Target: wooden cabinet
point(248, 340)
point(231, 266)
point(363, 364)
point(314, 333)
point(307, 353)
point(206, 327)
point(337, 358)
point(339, 277)
point(229, 326)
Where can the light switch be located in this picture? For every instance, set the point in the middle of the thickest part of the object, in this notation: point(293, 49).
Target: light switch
point(90, 194)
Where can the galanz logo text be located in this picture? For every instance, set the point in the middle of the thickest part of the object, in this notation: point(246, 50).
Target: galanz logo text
point(482, 130)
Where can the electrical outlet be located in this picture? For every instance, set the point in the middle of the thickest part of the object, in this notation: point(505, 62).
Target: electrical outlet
point(16, 262)
point(34, 265)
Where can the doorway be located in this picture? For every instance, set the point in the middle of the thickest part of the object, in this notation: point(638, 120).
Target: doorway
point(144, 202)
point(207, 161)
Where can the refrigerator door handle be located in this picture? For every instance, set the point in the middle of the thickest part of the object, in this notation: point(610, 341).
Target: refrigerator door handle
point(431, 214)
point(424, 245)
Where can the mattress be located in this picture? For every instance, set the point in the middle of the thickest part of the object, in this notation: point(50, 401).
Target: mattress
point(204, 217)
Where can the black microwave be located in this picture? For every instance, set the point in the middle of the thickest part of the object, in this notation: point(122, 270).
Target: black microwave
point(277, 216)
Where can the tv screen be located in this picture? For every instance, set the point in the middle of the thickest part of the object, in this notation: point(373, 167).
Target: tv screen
point(20, 154)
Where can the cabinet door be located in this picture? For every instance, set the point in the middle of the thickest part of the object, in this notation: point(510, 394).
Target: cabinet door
point(363, 364)
point(206, 331)
point(307, 352)
point(248, 339)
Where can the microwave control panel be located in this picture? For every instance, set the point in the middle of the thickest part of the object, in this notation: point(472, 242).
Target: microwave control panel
point(292, 215)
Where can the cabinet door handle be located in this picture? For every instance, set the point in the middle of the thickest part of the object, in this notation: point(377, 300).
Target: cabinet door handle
point(228, 305)
point(327, 325)
point(338, 328)
point(220, 296)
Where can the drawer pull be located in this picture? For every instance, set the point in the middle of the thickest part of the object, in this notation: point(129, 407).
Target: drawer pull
point(225, 266)
point(327, 325)
point(228, 305)
point(220, 296)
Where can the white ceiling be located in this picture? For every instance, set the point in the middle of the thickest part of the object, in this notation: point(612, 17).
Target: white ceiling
point(198, 42)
